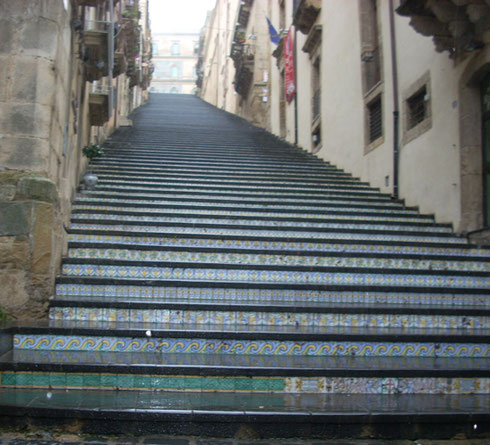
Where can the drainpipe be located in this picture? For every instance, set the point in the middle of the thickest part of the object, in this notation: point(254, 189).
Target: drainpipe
point(296, 87)
point(110, 45)
point(396, 111)
point(68, 96)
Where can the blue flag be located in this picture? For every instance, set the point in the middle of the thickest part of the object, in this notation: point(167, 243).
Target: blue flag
point(275, 37)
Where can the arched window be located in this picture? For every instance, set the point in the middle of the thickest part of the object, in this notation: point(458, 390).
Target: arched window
point(174, 90)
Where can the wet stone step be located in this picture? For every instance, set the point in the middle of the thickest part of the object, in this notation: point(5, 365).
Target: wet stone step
point(111, 311)
point(255, 232)
point(278, 276)
point(401, 343)
point(182, 200)
point(77, 287)
point(250, 384)
point(279, 259)
point(265, 219)
point(439, 251)
point(279, 214)
point(116, 189)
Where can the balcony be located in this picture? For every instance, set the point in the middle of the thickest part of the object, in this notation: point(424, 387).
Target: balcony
point(99, 106)
point(95, 54)
point(244, 59)
point(306, 14)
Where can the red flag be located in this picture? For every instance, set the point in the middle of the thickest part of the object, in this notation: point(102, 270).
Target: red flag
point(290, 83)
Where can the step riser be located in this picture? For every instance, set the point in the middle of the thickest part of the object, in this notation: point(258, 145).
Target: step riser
point(276, 276)
point(341, 233)
point(235, 258)
point(289, 385)
point(260, 211)
point(213, 204)
point(74, 291)
point(243, 318)
point(251, 347)
point(286, 246)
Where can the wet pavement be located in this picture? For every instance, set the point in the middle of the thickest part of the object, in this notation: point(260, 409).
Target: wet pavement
point(48, 438)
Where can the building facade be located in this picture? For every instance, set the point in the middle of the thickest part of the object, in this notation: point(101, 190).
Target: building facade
point(395, 92)
point(175, 58)
point(70, 72)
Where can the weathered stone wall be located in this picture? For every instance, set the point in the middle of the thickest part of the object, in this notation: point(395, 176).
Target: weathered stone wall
point(35, 42)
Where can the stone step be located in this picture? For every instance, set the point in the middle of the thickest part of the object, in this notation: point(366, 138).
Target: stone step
point(252, 340)
point(166, 168)
point(343, 262)
point(265, 415)
point(284, 224)
point(271, 313)
point(224, 231)
point(147, 191)
point(179, 200)
point(69, 370)
point(260, 211)
point(278, 276)
point(130, 179)
point(217, 216)
point(82, 287)
point(249, 244)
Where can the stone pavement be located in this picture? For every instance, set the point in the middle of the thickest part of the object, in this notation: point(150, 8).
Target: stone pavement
point(48, 438)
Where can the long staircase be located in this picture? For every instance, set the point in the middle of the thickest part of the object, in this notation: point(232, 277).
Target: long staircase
point(220, 282)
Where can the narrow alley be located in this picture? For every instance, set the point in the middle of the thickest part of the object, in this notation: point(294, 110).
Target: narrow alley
point(220, 282)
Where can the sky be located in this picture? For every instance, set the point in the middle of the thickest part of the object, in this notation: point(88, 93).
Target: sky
point(179, 15)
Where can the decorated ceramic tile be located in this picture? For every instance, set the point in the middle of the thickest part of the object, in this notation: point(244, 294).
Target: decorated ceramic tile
point(332, 385)
point(77, 291)
point(291, 245)
point(246, 347)
point(265, 233)
point(262, 223)
point(279, 260)
point(243, 318)
point(274, 276)
point(249, 213)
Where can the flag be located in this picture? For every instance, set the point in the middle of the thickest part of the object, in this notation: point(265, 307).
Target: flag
point(290, 83)
point(275, 37)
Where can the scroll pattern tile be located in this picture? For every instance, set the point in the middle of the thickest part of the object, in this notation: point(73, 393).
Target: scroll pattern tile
point(246, 347)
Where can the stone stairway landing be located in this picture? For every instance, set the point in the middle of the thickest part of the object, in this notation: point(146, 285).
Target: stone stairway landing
point(219, 280)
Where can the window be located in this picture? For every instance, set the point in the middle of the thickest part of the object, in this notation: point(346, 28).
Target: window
point(417, 116)
point(154, 48)
point(375, 118)
point(175, 48)
point(416, 107)
point(174, 72)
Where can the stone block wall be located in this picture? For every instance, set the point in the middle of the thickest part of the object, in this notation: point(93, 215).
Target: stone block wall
point(29, 221)
point(35, 51)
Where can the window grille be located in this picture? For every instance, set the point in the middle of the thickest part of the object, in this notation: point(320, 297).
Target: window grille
point(375, 119)
point(316, 104)
point(417, 108)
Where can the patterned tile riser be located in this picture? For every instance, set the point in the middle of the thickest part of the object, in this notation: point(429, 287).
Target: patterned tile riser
point(99, 196)
point(125, 204)
point(267, 318)
point(234, 213)
point(281, 260)
point(265, 276)
point(267, 233)
point(247, 347)
point(243, 183)
point(316, 385)
point(293, 246)
point(244, 295)
point(263, 223)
